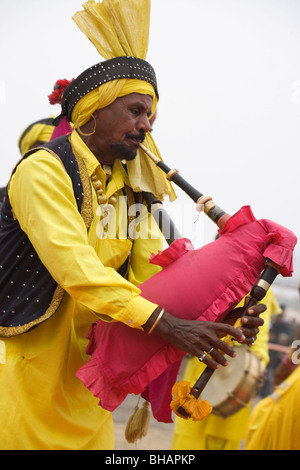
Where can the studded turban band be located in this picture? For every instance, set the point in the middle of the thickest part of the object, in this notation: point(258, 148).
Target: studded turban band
point(118, 68)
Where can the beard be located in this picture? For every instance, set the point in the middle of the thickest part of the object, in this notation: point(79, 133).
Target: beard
point(123, 151)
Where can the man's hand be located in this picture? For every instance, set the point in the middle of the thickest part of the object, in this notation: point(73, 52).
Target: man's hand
point(250, 322)
point(202, 338)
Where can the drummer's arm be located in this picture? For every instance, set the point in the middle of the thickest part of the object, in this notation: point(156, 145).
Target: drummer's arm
point(287, 366)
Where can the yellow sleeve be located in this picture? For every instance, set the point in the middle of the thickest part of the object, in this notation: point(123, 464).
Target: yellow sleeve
point(43, 201)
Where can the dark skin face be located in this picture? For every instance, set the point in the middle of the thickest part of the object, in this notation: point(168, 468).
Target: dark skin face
point(120, 127)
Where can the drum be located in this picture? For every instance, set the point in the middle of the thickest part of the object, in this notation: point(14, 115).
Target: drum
point(232, 387)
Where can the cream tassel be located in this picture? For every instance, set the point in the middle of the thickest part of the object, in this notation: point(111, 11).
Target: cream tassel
point(138, 423)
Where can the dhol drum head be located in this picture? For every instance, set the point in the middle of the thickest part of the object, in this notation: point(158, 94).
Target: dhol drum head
point(232, 387)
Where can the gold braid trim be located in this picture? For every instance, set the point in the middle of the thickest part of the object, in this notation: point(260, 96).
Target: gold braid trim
point(87, 203)
point(8, 331)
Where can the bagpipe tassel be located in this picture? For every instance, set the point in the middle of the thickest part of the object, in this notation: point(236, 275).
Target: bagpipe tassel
point(195, 408)
point(138, 423)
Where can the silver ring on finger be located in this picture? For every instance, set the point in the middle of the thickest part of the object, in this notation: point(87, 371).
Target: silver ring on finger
point(210, 351)
point(202, 357)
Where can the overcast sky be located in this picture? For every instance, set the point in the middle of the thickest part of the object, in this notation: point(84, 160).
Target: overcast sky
point(229, 81)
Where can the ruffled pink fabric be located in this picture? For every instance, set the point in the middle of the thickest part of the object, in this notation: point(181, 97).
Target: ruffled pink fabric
point(177, 249)
point(203, 284)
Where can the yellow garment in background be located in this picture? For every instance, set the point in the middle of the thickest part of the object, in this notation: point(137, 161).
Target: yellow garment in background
point(43, 405)
point(38, 133)
point(274, 423)
point(215, 432)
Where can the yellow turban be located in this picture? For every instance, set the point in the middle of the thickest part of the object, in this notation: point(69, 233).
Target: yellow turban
point(106, 94)
point(41, 131)
point(118, 29)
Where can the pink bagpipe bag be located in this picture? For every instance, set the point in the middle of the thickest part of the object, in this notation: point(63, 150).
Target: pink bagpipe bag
point(197, 284)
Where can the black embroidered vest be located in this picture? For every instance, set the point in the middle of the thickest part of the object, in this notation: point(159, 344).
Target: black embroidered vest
point(28, 293)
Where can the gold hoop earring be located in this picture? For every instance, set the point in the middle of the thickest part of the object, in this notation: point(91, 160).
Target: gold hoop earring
point(83, 133)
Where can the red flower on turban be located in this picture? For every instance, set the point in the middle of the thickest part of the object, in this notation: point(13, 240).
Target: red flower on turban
point(58, 90)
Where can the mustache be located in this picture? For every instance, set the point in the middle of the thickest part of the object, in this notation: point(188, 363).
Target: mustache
point(138, 137)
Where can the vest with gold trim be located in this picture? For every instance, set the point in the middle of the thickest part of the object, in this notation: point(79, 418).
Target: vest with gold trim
point(28, 293)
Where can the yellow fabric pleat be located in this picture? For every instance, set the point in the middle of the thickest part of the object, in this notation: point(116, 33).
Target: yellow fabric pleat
point(2, 353)
point(275, 421)
point(116, 28)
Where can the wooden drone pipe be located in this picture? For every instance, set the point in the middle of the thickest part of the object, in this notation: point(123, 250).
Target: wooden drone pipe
point(162, 218)
point(214, 212)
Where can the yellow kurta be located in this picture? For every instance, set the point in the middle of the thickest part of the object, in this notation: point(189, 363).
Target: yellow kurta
point(43, 405)
point(215, 432)
point(275, 421)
